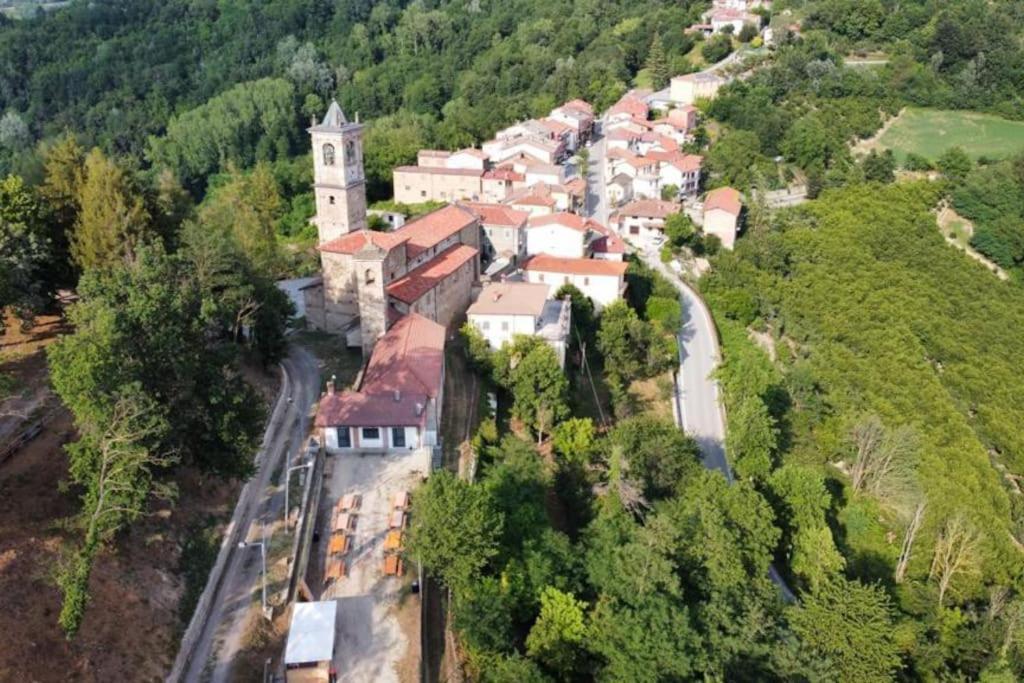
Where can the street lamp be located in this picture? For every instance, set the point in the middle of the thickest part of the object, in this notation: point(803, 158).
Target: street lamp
point(287, 488)
point(263, 569)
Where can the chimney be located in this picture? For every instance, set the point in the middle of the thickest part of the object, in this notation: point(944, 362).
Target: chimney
point(398, 395)
point(419, 409)
point(330, 385)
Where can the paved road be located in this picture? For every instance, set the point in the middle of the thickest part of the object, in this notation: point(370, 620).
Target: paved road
point(597, 198)
point(233, 601)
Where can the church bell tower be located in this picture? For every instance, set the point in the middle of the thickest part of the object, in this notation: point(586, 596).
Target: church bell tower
point(338, 180)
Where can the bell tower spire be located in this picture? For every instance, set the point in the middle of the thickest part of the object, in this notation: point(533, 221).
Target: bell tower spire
point(338, 180)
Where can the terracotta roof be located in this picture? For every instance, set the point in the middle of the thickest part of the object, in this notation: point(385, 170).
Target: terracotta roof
point(405, 370)
point(563, 218)
point(504, 174)
point(649, 208)
point(439, 170)
point(408, 358)
point(623, 134)
point(556, 127)
point(354, 241)
point(421, 280)
point(428, 230)
point(724, 198)
point(575, 266)
point(576, 186)
point(579, 104)
point(510, 298)
point(629, 105)
point(497, 214)
point(688, 163)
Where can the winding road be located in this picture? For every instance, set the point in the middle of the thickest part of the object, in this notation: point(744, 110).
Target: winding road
point(222, 632)
point(701, 411)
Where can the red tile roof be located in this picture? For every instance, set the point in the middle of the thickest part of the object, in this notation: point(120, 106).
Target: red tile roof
point(576, 186)
point(408, 358)
point(354, 241)
point(649, 208)
point(418, 282)
point(579, 104)
point(630, 104)
point(688, 162)
point(724, 198)
point(504, 174)
point(497, 214)
point(430, 229)
point(575, 266)
point(406, 369)
point(563, 218)
point(608, 243)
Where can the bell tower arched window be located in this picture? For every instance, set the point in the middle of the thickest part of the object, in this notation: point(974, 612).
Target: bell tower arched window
point(369, 277)
point(328, 154)
point(350, 152)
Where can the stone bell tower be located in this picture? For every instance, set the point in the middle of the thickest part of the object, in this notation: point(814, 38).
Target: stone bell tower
point(338, 180)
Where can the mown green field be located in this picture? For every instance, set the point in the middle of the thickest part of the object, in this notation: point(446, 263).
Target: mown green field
point(930, 132)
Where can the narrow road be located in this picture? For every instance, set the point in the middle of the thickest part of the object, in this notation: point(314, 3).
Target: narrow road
point(596, 204)
point(702, 413)
point(237, 593)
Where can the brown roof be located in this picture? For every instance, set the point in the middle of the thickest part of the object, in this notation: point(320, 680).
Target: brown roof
point(649, 208)
point(608, 243)
point(688, 162)
point(579, 104)
point(439, 170)
point(563, 218)
point(724, 198)
point(405, 369)
point(354, 241)
point(428, 230)
point(510, 298)
point(504, 174)
point(575, 266)
point(497, 214)
point(411, 287)
point(630, 104)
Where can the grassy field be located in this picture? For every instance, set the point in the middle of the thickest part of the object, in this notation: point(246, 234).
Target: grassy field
point(930, 132)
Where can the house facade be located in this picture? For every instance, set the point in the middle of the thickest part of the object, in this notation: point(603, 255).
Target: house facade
point(504, 310)
point(722, 208)
point(642, 221)
point(600, 279)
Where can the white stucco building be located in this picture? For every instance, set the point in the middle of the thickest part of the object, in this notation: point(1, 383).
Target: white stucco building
point(600, 279)
point(504, 310)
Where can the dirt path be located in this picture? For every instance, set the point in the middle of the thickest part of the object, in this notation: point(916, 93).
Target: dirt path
point(946, 218)
point(863, 147)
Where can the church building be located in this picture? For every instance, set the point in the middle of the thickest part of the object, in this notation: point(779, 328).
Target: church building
point(370, 280)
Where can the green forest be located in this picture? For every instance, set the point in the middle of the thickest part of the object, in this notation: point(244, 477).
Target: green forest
point(153, 159)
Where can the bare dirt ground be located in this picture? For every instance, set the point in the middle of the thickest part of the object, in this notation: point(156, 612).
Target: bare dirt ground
point(132, 623)
point(378, 630)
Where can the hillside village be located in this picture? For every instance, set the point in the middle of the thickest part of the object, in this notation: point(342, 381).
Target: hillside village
point(544, 341)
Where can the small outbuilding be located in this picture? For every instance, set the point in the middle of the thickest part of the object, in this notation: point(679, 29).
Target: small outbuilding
point(309, 653)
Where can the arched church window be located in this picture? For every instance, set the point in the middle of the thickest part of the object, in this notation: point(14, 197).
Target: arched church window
point(328, 154)
point(350, 152)
point(368, 276)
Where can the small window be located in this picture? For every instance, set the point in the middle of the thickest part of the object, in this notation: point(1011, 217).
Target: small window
point(540, 278)
point(504, 326)
point(344, 437)
point(508, 233)
point(371, 433)
point(398, 437)
point(566, 280)
point(423, 193)
point(328, 151)
point(331, 199)
point(586, 281)
point(486, 325)
point(369, 277)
